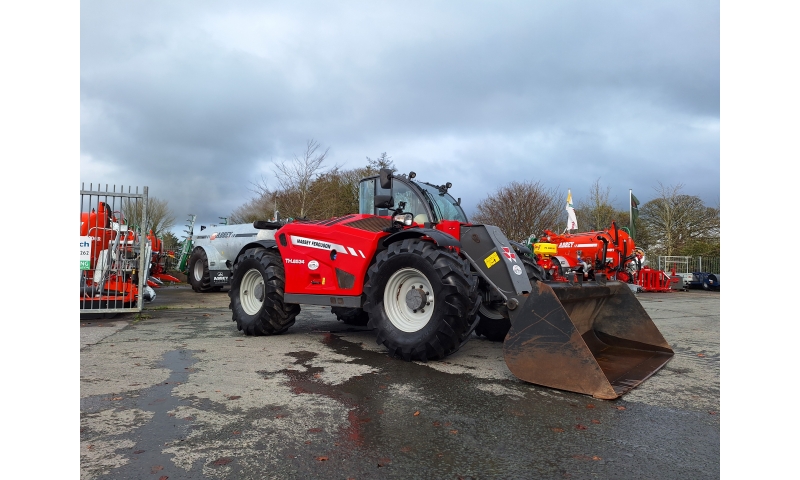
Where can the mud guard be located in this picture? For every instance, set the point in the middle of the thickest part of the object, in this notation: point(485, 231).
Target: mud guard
point(439, 238)
point(593, 338)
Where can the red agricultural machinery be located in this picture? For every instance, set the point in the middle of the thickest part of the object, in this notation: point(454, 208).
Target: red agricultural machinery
point(581, 256)
point(112, 260)
point(158, 262)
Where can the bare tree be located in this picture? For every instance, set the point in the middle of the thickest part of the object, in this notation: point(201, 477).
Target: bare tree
point(596, 212)
point(259, 208)
point(309, 190)
point(676, 222)
point(159, 216)
point(298, 175)
point(520, 209)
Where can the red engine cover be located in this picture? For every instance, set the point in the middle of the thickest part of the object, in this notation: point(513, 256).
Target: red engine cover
point(329, 257)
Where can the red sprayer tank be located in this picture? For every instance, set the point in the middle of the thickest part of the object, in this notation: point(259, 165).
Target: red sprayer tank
point(611, 251)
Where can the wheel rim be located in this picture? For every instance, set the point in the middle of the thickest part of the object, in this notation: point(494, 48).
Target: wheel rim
point(408, 300)
point(252, 291)
point(198, 270)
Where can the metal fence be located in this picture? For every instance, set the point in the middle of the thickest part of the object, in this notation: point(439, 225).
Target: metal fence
point(115, 253)
point(689, 264)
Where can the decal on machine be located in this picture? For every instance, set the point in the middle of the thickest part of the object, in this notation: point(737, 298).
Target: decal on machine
point(295, 260)
point(510, 255)
point(313, 265)
point(491, 259)
point(322, 245)
point(517, 270)
point(216, 235)
point(85, 249)
point(219, 278)
point(566, 244)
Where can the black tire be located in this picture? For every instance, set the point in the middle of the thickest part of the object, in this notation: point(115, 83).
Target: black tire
point(494, 322)
point(197, 273)
point(351, 316)
point(257, 287)
point(422, 274)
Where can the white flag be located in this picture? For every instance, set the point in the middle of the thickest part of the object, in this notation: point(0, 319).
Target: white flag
point(572, 222)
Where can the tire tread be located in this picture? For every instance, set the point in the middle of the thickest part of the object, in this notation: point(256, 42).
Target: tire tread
point(275, 316)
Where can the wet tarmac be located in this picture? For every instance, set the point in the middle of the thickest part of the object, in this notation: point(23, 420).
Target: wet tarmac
point(177, 392)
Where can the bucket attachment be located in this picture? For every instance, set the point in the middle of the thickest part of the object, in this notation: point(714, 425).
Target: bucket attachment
point(593, 338)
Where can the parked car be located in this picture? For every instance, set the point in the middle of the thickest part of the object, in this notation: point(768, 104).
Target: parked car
point(704, 280)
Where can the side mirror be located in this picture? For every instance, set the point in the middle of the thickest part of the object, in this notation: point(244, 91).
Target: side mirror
point(386, 179)
point(384, 201)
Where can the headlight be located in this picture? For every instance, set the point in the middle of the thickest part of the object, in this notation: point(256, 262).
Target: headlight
point(404, 219)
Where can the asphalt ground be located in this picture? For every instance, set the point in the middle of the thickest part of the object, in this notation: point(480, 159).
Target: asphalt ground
point(178, 392)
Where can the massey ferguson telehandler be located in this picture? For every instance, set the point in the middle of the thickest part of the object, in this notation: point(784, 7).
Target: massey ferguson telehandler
point(416, 271)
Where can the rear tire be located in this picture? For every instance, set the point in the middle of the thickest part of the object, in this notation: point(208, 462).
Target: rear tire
point(257, 286)
point(421, 299)
point(198, 275)
point(494, 322)
point(351, 316)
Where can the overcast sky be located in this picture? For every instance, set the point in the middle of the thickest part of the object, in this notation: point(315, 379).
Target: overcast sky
point(196, 100)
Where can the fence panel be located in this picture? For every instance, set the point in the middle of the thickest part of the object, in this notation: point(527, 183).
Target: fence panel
point(689, 264)
point(115, 253)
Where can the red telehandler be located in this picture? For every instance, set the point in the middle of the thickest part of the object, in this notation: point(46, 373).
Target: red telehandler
point(425, 279)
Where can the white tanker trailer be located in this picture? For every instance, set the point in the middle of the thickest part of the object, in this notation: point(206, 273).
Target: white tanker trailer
point(215, 249)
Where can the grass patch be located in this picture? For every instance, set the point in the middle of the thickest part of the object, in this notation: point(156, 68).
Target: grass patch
point(141, 316)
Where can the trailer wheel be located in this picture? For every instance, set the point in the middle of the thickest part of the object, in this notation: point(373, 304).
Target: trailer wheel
point(494, 322)
point(199, 277)
point(256, 294)
point(421, 299)
point(351, 316)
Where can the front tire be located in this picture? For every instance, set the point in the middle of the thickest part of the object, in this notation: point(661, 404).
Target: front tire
point(421, 299)
point(257, 287)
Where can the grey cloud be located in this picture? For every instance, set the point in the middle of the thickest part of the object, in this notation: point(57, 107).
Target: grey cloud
point(194, 98)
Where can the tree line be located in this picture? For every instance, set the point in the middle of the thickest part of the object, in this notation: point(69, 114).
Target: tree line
point(673, 223)
point(304, 187)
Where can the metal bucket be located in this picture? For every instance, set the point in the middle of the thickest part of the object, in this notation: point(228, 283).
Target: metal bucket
point(593, 338)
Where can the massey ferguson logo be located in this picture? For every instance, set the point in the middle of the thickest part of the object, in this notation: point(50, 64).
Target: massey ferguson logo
point(509, 254)
point(322, 245)
point(566, 244)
